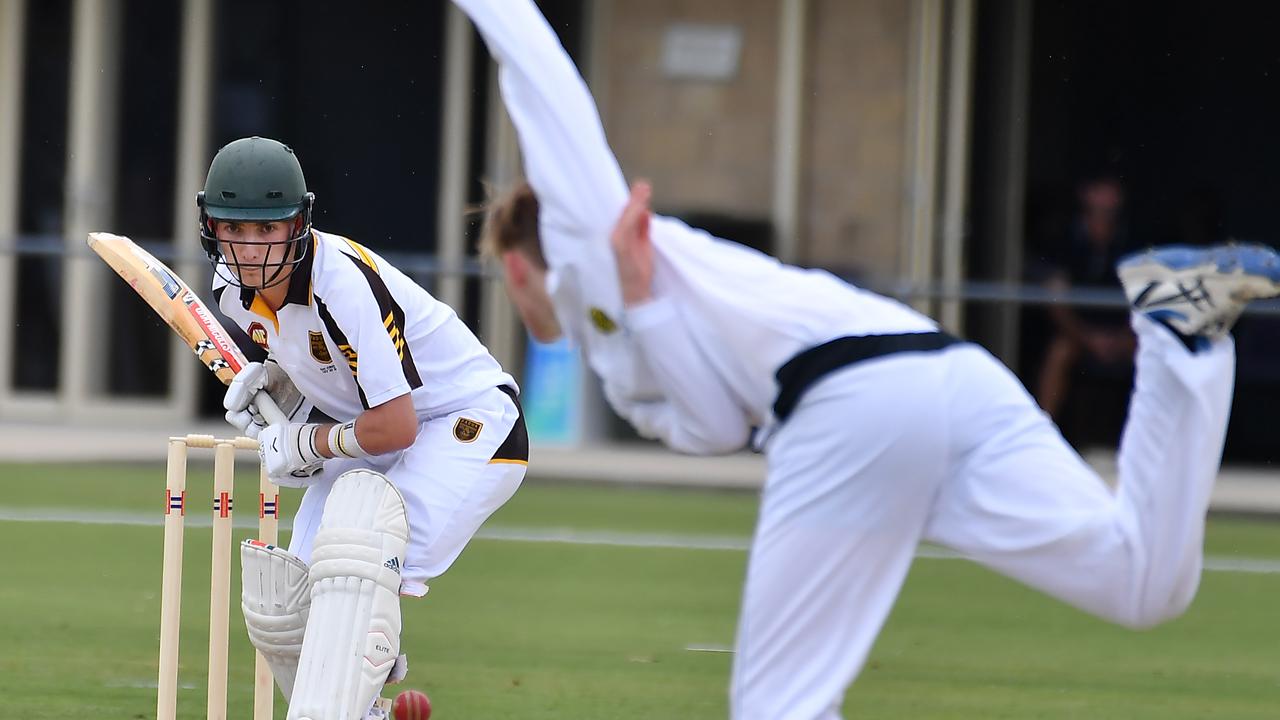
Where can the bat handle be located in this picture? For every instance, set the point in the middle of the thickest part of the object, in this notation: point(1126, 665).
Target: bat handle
point(268, 409)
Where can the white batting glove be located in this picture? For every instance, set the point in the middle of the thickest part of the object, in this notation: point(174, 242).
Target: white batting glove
point(253, 378)
point(289, 453)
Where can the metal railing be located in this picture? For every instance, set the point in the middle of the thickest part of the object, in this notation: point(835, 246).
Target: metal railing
point(427, 265)
point(408, 262)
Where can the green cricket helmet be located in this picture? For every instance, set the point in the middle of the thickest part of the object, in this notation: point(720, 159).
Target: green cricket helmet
point(255, 179)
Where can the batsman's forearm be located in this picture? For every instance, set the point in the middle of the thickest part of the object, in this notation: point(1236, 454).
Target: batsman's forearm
point(386, 428)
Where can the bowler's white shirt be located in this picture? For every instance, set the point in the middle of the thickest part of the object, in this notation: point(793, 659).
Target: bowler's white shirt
point(695, 367)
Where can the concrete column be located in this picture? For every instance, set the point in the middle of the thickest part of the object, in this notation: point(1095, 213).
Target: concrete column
point(955, 196)
point(596, 17)
point(193, 156)
point(920, 208)
point(500, 330)
point(92, 119)
point(12, 51)
point(455, 143)
point(789, 133)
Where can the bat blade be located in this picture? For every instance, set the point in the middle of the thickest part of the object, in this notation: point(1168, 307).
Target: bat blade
point(173, 300)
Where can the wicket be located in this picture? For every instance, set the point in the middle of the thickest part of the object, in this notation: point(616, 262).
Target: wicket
point(220, 579)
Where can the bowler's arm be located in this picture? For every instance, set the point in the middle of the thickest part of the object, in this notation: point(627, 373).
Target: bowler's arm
point(699, 413)
point(567, 159)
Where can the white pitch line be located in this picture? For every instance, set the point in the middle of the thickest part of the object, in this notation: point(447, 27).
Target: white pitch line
point(616, 539)
point(145, 684)
point(196, 517)
point(709, 648)
point(249, 521)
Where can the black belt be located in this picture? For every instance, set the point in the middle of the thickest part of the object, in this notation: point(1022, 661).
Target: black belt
point(800, 372)
point(515, 448)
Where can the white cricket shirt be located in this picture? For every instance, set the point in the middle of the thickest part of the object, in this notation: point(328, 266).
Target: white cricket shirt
point(355, 332)
point(695, 367)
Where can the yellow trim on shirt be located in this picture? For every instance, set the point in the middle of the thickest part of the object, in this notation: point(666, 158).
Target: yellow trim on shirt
point(349, 353)
point(260, 307)
point(365, 257)
point(394, 332)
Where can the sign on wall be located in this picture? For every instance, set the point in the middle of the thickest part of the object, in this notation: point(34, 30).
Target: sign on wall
point(701, 51)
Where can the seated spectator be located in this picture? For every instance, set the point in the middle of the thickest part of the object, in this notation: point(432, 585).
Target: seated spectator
point(1087, 340)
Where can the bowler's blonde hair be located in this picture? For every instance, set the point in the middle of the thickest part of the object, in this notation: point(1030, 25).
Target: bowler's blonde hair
point(511, 223)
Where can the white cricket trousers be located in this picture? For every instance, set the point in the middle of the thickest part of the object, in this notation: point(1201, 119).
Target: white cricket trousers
point(949, 447)
point(450, 487)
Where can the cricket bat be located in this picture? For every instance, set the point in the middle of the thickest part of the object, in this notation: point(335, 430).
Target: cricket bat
point(181, 309)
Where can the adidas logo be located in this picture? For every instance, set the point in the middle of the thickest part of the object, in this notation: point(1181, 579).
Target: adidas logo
point(393, 565)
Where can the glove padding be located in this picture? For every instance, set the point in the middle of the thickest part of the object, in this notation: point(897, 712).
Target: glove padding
point(257, 377)
point(289, 453)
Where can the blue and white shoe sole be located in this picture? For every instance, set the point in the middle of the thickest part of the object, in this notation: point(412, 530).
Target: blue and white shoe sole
point(1247, 259)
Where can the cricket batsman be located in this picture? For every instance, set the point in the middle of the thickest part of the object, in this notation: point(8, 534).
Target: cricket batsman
point(428, 438)
point(880, 430)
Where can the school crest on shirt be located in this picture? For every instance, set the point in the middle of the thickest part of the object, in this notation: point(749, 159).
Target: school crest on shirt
point(319, 350)
point(601, 320)
point(258, 334)
point(466, 430)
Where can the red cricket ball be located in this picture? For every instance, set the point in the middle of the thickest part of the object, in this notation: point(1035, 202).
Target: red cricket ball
point(411, 705)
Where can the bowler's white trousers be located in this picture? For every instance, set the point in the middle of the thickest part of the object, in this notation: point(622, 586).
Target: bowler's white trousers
point(949, 447)
point(450, 487)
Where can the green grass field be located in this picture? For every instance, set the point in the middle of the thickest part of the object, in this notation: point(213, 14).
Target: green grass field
point(539, 630)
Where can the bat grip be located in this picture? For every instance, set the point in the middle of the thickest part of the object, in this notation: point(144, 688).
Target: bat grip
point(268, 409)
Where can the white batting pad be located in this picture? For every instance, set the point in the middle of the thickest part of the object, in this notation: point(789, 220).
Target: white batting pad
point(353, 634)
point(275, 598)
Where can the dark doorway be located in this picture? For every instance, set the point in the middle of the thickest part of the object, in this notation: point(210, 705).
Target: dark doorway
point(355, 90)
point(1176, 102)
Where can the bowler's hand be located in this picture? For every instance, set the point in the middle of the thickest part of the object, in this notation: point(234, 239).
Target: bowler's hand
point(632, 247)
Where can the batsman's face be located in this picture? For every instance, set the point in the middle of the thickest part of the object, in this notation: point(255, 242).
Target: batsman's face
point(256, 251)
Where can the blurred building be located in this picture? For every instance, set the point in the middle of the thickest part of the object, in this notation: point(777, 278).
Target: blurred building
point(808, 128)
point(916, 146)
